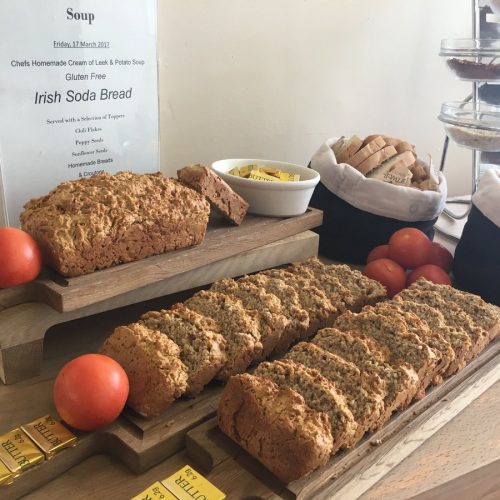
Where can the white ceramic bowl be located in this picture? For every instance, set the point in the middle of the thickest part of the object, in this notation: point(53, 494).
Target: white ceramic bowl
point(274, 199)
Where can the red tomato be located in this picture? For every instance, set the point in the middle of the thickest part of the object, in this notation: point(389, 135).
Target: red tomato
point(380, 252)
point(388, 273)
point(409, 247)
point(429, 272)
point(90, 391)
point(440, 256)
point(20, 257)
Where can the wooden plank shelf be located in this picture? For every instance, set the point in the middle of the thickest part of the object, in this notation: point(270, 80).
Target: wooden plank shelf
point(137, 442)
point(28, 311)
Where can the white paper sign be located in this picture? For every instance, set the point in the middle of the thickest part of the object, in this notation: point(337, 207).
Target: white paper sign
point(78, 93)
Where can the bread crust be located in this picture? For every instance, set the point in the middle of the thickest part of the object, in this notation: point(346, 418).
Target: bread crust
point(275, 426)
point(268, 307)
point(202, 348)
point(220, 195)
point(349, 148)
point(366, 151)
point(151, 361)
point(376, 159)
point(318, 393)
point(239, 326)
point(101, 221)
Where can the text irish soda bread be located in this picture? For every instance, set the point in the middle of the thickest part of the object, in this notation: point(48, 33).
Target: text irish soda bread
point(104, 220)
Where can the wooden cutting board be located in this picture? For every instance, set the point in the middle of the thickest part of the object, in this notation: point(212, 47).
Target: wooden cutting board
point(348, 474)
point(137, 442)
point(221, 241)
point(28, 311)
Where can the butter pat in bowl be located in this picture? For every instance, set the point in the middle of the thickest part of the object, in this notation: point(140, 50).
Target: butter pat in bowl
point(273, 198)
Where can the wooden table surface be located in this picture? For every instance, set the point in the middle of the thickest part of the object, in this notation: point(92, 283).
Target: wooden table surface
point(461, 460)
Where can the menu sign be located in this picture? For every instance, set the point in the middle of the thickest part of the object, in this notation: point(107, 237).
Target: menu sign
point(78, 93)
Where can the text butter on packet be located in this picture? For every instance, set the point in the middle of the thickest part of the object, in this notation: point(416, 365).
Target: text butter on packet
point(18, 452)
point(261, 176)
point(187, 484)
point(50, 436)
point(286, 177)
point(155, 492)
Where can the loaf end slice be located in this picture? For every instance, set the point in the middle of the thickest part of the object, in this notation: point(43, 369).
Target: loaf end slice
point(220, 195)
point(319, 394)
point(152, 363)
point(202, 349)
point(275, 426)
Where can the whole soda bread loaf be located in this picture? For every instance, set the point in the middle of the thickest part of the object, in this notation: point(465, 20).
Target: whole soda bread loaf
point(104, 220)
point(275, 426)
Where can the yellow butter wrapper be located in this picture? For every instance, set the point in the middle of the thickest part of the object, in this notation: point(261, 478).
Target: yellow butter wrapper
point(261, 176)
point(235, 171)
point(187, 484)
point(285, 177)
point(18, 452)
point(49, 435)
point(247, 169)
point(275, 172)
point(6, 477)
point(155, 492)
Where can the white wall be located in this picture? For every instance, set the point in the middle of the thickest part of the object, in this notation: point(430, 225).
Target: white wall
point(274, 78)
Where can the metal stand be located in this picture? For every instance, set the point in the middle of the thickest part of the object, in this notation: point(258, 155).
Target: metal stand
point(480, 24)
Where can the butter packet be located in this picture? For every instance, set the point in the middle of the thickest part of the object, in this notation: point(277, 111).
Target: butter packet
point(18, 452)
point(286, 177)
point(6, 477)
point(155, 492)
point(261, 176)
point(187, 484)
point(49, 435)
point(247, 170)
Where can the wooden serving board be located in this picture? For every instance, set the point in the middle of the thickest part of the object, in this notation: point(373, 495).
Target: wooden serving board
point(350, 473)
point(28, 311)
point(221, 241)
point(137, 442)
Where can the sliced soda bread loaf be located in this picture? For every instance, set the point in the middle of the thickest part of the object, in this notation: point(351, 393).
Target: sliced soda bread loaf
point(275, 426)
point(392, 333)
point(202, 350)
point(400, 382)
point(238, 326)
point(436, 342)
point(314, 270)
point(361, 290)
point(268, 306)
point(364, 394)
point(457, 338)
point(484, 315)
point(298, 317)
point(152, 362)
point(318, 393)
point(454, 316)
point(320, 309)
